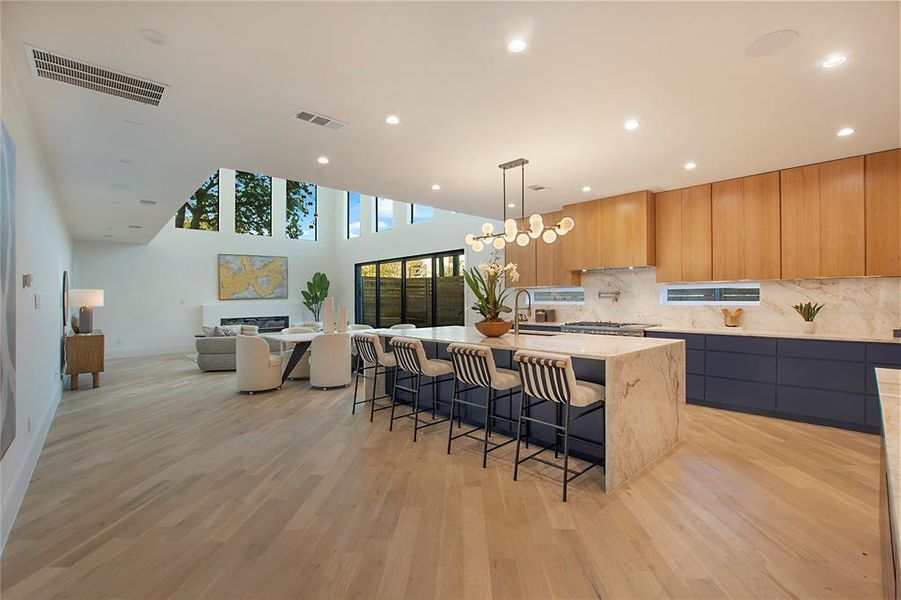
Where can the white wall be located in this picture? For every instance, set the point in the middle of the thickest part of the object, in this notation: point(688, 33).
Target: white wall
point(444, 232)
point(43, 249)
point(154, 292)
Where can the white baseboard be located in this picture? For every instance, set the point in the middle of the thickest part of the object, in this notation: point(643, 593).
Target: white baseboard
point(22, 478)
point(149, 351)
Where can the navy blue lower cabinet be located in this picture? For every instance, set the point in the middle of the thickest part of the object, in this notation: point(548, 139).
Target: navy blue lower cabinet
point(825, 407)
point(742, 395)
point(747, 367)
point(694, 387)
point(823, 374)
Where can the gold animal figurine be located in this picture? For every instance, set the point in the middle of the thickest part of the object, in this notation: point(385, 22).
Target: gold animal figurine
point(732, 319)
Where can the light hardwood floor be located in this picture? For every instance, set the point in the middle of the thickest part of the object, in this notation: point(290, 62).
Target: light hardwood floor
point(166, 483)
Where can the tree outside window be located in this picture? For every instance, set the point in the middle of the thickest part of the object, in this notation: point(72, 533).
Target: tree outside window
point(253, 203)
point(201, 211)
point(300, 221)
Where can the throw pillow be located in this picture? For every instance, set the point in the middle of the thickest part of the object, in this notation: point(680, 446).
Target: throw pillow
point(224, 332)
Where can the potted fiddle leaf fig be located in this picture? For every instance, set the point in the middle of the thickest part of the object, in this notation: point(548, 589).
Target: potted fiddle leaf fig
point(315, 294)
point(809, 312)
point(487, 284)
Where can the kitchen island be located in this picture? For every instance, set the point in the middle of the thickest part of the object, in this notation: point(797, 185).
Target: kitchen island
point(644, 380)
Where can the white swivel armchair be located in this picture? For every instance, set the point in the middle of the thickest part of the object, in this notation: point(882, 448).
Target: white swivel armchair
point(302, 369)
point(258, 370)
point(330, 360)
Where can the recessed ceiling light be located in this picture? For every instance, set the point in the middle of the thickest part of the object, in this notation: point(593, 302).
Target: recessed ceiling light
point(436, 187)
point(833, 60)
point(511, 205)
point(392, 119)
point(153, 36)
point(516, 46)
point(631, 124)
point(322, 160)
point(845, 131)
point(586, 188)
point(690, 165)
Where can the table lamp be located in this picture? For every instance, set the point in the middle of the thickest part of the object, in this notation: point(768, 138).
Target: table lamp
point(87, 300)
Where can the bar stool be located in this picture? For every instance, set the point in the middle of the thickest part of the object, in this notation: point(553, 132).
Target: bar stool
point(474, 365)
point(371, 356)
point(411, 357)
point(550, 378)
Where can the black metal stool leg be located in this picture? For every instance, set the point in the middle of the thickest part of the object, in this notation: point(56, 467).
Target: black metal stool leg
point(557, 410)
point(393, 400)
point(488, 402)
point(375, 381)
point(522, 403)
point(416, 409)
point(566, 453)
point(450, 421)
point(356, 385)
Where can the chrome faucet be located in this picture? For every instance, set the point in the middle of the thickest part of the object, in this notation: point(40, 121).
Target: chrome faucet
point(517, 317)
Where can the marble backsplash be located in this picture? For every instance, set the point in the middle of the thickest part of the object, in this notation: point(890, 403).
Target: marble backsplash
point(868, 306)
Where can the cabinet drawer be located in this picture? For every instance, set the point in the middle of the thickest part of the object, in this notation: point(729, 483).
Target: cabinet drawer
point(744, 344)
point(694, 387)
point(694, 361)
point(886, 354)
point(747, 367)
point(850, 351)
point(823, 374)
point(874, 414)
point(744, 394)
point(693, 341)
point(821, 404)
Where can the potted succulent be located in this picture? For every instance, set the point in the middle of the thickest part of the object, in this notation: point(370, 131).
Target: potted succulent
point(809, 312)
point(487, 283)
point(315, 295)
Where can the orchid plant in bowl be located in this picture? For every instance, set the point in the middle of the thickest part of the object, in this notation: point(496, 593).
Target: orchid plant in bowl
point(487, 283)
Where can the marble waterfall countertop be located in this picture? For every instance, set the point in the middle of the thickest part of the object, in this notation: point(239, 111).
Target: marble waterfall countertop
point(598, 347)
point(889, 383)
point(740, 331)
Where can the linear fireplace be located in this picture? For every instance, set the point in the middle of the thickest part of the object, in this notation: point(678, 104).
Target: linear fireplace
point(265, 324)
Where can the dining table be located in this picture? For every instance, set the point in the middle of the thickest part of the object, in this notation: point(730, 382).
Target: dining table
point(301, 342)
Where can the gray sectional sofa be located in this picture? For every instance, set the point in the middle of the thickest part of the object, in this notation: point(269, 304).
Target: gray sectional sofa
point(218, 353)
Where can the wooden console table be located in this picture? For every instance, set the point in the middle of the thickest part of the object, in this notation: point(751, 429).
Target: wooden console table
point(84, 354)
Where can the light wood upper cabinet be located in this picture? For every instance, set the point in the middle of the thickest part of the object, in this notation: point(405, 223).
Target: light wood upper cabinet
point(823, 220)
point(883, 213)
point(683, 234)
point(746, 228)
point(549, 259)
point(611, 232)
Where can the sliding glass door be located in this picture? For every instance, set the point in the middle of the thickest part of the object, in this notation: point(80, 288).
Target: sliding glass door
point(425, 290)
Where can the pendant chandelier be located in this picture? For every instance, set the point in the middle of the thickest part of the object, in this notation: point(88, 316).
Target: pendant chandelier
point(512, 233)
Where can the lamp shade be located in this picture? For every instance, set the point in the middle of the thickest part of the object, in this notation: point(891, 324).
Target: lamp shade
point(86, 297)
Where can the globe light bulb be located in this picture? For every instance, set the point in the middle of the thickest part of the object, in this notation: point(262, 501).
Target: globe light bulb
point(487, 228)
point(560, 230)
point(549, 236)
point(535, 218)
point(499, 243)
point(477, 245)
point(510, 236)
point(469, 239)
point(522, 239)
point(510, 225)
point(567, 224)
point(534, 233)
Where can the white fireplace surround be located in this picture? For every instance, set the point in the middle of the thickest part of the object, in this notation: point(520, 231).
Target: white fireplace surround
point(212, 313)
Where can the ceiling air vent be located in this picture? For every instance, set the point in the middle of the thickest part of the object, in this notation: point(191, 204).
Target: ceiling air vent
point(537, 188)
point(60, 68)
point(318, 119)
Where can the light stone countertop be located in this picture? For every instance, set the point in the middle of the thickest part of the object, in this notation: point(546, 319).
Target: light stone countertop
point(739, 331)
point(889, 382)
point(598, 347)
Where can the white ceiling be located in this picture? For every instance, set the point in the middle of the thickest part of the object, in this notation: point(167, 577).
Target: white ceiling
point(239, 71)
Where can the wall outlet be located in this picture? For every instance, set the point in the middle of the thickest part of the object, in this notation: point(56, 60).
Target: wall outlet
point(37, 301)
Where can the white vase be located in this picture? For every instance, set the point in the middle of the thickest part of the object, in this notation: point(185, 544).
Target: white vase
point(810, 326)
point(342, 319)
point(328, 323)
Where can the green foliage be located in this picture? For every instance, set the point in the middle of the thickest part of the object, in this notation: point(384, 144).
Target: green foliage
point(315, 294)
point(201, 211)
point(808, 311)
point(301, 203)
point(486, 283)
point(253, 203)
